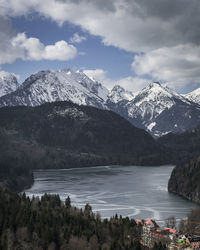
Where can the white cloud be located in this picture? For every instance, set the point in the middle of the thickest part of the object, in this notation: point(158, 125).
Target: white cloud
point(134, 84)
point(76, 38)
point(179, 65)
point(61, 50)
point(161, 29)
point(96, 74)
point(130, 83)
point(32, 49)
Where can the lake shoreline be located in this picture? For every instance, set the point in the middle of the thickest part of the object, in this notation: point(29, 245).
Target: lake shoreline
point(114, 189)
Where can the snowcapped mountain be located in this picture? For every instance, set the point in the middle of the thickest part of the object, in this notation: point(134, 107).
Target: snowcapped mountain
point(118, 94)
point(194, 96)
point(159, 110)
point(8, 83)
point(62, 85)
point(156, 108)
point(152, 101)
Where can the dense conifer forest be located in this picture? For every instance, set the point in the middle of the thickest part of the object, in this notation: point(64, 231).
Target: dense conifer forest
point(185, 177)
point(49, 223)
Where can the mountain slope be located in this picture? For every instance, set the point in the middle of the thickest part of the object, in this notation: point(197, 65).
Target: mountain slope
point(184, 179)
point(194, 96)
point(159, 110)
point(63, 134)
point(8, 83)
point(156, 108)
point(51, 86)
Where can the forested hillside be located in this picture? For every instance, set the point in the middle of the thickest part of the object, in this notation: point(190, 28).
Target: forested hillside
point(186, 146)
point(185, 177)
point(184, 180)
point(60, 135)
point(47, 223)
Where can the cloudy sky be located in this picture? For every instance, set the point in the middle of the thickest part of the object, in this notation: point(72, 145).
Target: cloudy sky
point(127, 42)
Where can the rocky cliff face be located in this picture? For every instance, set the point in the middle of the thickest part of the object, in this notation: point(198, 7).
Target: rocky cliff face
point(118, 94)
point(184, 180)
point(61, 85)
point(8, 83)
point(159, 110)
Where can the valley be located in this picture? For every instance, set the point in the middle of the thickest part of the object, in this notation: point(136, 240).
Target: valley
point(64, 119)
point(99, 125)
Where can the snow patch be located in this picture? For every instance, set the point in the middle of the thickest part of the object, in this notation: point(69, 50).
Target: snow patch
point(151, 125)
point(118, 94)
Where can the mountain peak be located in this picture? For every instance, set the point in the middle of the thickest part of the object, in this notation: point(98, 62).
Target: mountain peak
point(151, 102)
point(194, 96)
point(117, 88)
point(154, 84)
point(118, 94)
point(155, 90)
point(8, 83)
point(60, 85)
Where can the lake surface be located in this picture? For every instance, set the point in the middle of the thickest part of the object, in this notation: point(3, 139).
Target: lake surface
point(134, 191)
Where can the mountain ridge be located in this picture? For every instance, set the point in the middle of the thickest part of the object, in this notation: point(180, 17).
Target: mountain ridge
point(156, 108)
point(40, 88)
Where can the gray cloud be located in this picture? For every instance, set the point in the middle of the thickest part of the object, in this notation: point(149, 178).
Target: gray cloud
point(133, 25)
point(161, 9)
point(104, 5)
point(152, 23)
point(179, 65)
point(6, 32)
point(159, 28)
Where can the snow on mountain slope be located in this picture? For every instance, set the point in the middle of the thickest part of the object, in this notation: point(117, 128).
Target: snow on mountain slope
point(156, 108)
point(159, 110)
point(194, 96)
point(152, 101)
point(8, 83)
point(91, 84)
point(51, 86)
point(118, 94)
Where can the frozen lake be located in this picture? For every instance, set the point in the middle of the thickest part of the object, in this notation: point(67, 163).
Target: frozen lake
point(134, 191)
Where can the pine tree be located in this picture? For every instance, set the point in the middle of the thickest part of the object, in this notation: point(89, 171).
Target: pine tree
point(68, 202)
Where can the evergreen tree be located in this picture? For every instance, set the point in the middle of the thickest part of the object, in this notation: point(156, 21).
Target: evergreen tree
point(68, 202)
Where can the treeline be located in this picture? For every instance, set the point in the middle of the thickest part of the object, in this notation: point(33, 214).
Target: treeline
point(49, 223)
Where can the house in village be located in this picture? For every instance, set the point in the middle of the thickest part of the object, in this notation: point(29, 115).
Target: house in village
point(151, 233)
point(195, 242)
